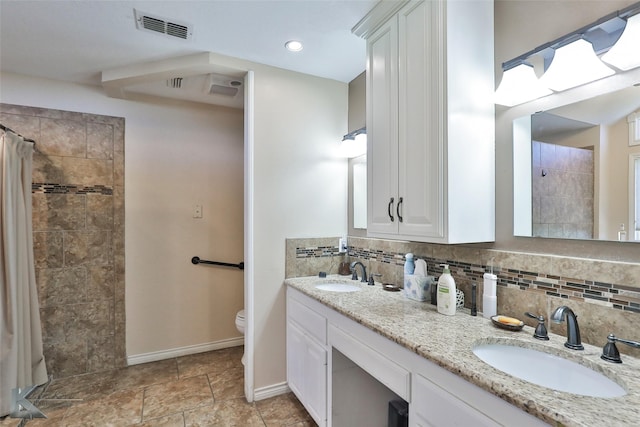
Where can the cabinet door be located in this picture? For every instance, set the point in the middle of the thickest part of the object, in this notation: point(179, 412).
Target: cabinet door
point(432, 406)
point(307, 371)
point(382, 129)
point(296, 350)
point(316, 381)
point(421, 138)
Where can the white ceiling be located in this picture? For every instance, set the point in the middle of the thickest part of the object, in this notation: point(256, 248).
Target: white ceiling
point(77, 40)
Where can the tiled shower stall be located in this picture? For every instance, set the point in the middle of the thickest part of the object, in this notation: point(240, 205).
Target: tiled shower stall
point(78, 223)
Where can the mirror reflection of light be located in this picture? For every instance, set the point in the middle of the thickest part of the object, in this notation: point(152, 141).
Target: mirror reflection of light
point(355, 147)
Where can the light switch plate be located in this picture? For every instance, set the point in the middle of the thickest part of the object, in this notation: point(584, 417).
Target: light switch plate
point(197, 211)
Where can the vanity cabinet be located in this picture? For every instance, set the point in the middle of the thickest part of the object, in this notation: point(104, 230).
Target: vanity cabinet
point(307, 357)
point(345, 374)
point(430, 121)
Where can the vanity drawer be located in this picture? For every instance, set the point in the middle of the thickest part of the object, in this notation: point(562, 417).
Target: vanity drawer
point(312, 323)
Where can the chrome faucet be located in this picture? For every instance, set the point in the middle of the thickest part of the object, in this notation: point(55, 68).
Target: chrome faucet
point(354, 270)
point(573, 331)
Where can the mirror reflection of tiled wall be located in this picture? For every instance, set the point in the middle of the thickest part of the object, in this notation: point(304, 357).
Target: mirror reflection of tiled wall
point(604, 294)
point(78, 223)
point(562, 191)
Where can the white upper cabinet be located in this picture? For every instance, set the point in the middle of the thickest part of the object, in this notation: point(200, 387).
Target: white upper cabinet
point(430, 121)
point(382, 125)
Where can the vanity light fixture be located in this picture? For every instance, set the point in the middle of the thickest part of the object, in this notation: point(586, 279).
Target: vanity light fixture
point(354, 143)
point(293, 46)
point(625, 53)
point(574, 59)
point(355, 134)
point(574, 64)
point(519, 85)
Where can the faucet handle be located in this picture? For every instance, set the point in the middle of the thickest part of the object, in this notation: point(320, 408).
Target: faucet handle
point(354, 274)
point(372, 281)
point(534, 316)
point(610, 352)
point(541, 330)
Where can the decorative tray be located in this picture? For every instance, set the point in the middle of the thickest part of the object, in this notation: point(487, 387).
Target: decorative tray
point(508, 323)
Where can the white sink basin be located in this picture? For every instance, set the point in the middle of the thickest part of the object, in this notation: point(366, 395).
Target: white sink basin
point(548, 370)
point(337, 287)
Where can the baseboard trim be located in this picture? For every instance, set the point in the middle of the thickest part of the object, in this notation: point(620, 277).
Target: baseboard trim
point(271, 391)
point(183, 351)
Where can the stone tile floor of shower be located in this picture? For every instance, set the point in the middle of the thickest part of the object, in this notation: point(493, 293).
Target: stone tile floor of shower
point(205, 389)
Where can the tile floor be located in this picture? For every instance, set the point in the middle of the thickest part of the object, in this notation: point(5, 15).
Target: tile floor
point(205, 389)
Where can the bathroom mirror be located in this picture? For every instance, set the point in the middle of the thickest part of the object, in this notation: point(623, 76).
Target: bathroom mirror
point(358, 196)
point(575, 169)
point(360, 193)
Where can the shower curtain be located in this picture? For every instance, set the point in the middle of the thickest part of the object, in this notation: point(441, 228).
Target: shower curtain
point(21, 354)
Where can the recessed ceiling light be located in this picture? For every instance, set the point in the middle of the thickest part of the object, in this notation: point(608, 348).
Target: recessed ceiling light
point(293, 46)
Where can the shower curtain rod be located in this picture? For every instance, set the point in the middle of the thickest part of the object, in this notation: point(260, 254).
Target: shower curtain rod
point(6, 129)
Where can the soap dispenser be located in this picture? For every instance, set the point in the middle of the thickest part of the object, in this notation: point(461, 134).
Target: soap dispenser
point(622, 234)
point(446, 292)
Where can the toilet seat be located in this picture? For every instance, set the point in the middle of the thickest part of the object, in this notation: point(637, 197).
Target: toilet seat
point(240, 327)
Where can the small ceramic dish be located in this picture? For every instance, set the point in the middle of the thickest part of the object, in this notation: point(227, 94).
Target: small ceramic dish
point(391, 288)
point(507, 326)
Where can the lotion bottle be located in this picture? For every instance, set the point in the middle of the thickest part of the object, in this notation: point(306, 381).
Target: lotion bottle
point(446, 293)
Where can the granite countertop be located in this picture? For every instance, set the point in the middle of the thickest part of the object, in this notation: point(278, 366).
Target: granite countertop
point(448, 342)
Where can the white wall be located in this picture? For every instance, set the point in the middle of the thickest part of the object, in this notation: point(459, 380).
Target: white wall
point(300, 191)
point(522, 187)
point(196, 158)
point(614, 181)
point(176, 155)
point(358, 102)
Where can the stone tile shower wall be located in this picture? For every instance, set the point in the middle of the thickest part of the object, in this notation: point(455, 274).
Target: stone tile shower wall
point(78, 223)
point(562, 191)
point(605, 295)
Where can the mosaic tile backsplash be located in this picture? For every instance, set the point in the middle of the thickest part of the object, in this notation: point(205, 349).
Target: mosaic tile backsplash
point(78, 224)
point(603, 306)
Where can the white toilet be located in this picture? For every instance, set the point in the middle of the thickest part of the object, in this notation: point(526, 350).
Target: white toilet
point(240, 326)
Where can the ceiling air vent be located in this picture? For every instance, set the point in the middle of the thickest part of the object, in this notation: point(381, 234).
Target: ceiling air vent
point(148, 22)
point(219, 84)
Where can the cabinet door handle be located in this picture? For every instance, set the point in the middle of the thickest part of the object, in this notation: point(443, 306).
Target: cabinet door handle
point(390, 210)
point(398, 209)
